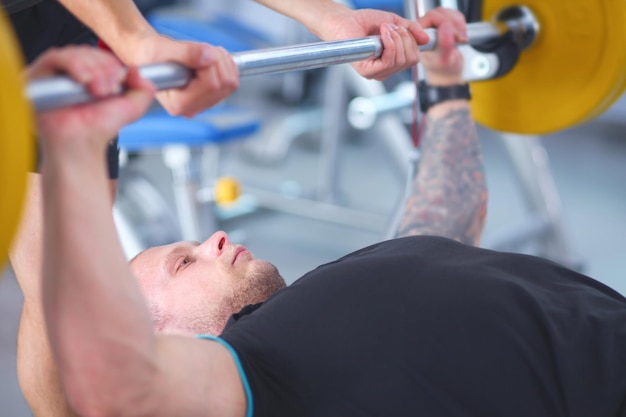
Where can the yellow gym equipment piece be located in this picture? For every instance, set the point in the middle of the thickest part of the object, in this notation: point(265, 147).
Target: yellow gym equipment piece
point(16, 137)
point(575, 69)
point(226, 190)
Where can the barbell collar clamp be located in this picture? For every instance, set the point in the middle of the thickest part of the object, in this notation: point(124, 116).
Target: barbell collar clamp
point(521, 21)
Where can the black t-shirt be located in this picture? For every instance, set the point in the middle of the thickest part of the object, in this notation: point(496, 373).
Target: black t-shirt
point(43, 24)
point(14, 6)
point(425, 326)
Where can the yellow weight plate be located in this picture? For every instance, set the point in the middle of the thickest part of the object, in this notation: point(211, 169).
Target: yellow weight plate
point(15, 136)
point(606, 105)
point(614, 96)
point(573, 71)
point(226, 190)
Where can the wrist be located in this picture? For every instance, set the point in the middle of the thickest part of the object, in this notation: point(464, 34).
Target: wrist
point(444, 80)
point(72, 160)
point(322, 18)
point(434, 95)
point(133, 48)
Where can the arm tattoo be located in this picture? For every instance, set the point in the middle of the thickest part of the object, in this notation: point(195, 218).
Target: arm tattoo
point(449, 194)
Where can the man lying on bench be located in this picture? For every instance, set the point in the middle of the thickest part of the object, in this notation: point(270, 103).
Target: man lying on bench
point(425, 324)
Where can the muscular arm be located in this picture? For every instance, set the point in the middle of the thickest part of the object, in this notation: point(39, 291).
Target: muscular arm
point(122, 26)
point(449, 194)
point(331, 21)
point(110, 362)
point(310, 13)
point(36, 369)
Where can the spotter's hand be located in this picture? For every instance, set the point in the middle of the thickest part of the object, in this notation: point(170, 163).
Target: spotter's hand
point(216, 74)
point(400, 38)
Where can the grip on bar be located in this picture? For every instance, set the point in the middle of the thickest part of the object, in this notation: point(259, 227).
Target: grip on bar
point(61, 91)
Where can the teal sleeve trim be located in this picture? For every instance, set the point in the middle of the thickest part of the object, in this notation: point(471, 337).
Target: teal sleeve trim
point(242, 374)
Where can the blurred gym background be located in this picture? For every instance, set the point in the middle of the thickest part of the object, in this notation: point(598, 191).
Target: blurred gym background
point(312, 192)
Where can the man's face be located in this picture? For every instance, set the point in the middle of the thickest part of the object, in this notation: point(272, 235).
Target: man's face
point(193, 288)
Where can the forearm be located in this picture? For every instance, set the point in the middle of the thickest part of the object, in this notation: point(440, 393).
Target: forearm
point(119, 23)
point(311, 13)
point(449, 193)
point(95, 315)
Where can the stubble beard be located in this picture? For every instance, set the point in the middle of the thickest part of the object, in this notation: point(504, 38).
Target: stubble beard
point(257, 286)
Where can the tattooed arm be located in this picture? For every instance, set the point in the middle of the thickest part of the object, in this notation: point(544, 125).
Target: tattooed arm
point(449, 194)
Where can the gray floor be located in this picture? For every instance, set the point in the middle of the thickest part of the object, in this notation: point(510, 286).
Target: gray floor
point(587, 163)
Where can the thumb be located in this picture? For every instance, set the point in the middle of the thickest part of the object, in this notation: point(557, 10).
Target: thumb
point(121, 110)
point(421, 37)
point(140, 94)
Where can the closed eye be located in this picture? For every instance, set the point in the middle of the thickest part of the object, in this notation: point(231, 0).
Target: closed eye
point(182, 263)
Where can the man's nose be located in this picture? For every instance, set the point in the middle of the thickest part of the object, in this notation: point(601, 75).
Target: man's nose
point(216, 244)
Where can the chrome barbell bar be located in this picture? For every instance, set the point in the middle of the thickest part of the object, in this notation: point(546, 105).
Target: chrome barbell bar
point(60, 91)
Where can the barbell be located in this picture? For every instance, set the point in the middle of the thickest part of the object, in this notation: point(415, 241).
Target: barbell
point(59, 91)
point(572, 69)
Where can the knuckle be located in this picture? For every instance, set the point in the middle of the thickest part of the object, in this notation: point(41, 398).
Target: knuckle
point(212, 83)
point(232, 84)
point(175, 108)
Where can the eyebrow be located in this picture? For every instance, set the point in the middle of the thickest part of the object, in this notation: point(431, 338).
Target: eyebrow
point(136, 256)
